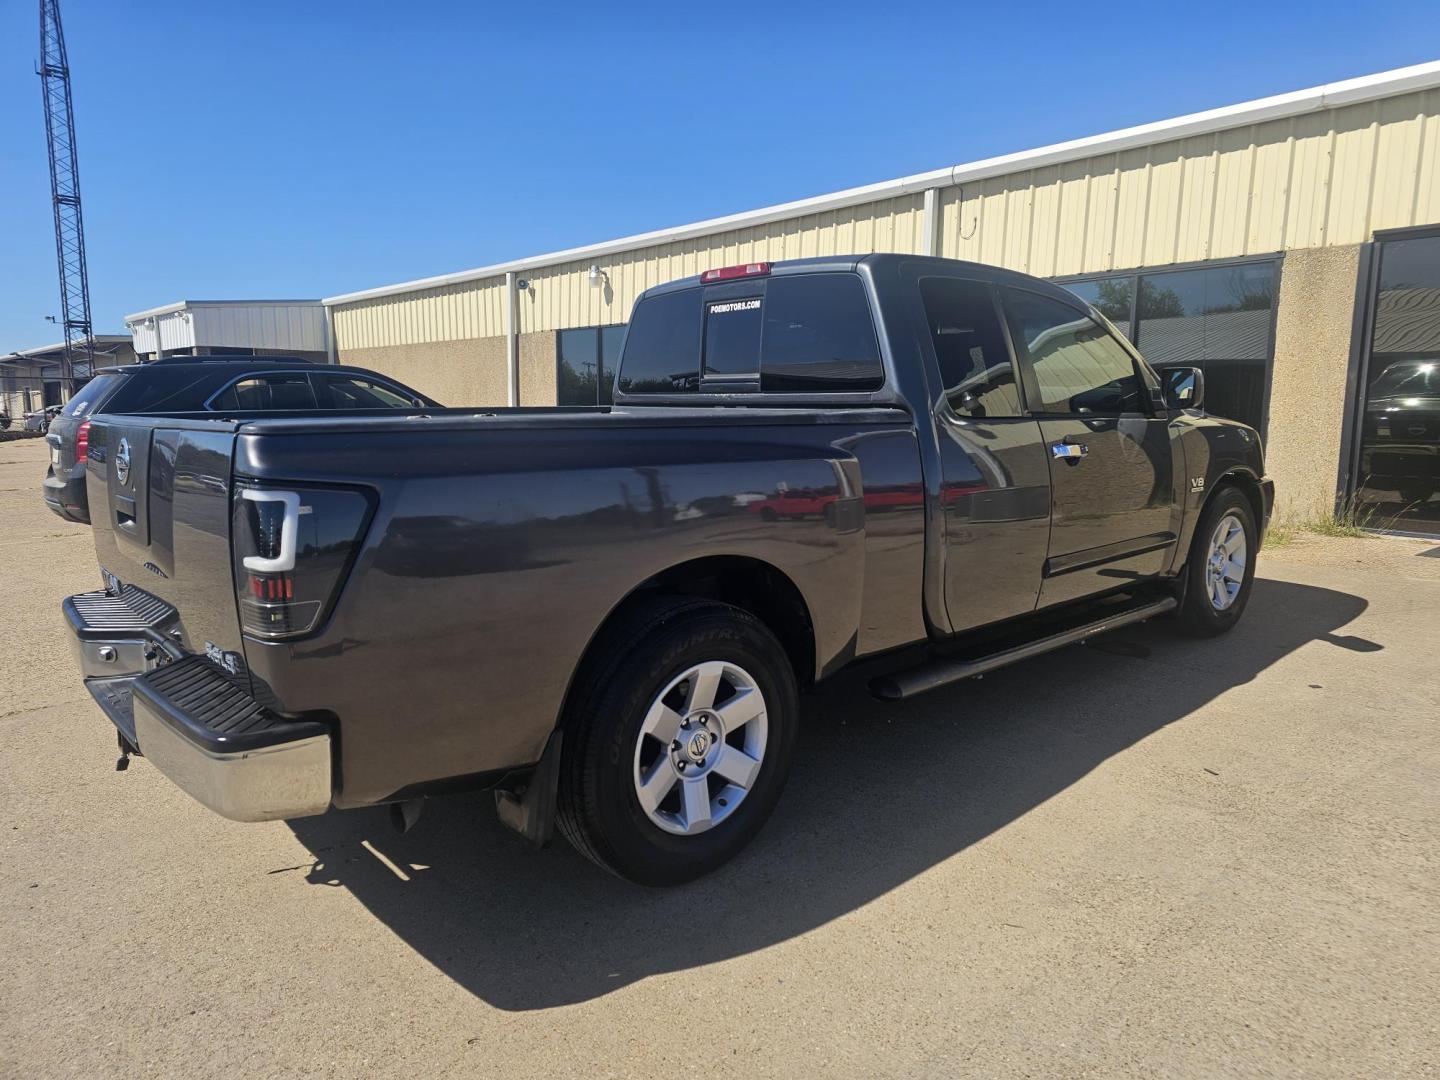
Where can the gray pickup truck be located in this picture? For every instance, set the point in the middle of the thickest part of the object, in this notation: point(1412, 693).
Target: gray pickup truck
point(607, 615)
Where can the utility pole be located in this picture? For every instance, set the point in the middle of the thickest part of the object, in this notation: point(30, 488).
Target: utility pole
point(54, 72)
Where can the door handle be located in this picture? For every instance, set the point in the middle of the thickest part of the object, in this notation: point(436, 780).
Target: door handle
point(1068, 451)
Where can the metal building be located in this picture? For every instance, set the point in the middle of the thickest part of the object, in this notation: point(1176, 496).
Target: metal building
point(1290, 246)
point(33, 378)
point(241, 327)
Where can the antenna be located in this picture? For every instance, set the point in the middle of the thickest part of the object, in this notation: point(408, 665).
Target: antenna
point(54, 72)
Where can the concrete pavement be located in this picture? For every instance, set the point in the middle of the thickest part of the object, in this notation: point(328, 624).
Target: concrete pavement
point(1146, 856)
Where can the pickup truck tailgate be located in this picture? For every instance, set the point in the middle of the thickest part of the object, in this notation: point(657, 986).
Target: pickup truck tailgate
point(159, 496)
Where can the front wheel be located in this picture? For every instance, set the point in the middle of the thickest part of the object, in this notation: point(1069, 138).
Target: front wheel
point(678, 745)
point(1221, 566)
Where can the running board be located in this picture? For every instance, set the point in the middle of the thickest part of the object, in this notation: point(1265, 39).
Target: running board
point(943, 671)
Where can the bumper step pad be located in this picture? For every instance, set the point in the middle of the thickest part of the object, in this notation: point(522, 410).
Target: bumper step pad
point(222, 747)
point(102, 613)
point(212, 709)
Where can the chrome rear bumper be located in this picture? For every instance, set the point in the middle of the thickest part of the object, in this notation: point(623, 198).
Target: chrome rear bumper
point(196, 723)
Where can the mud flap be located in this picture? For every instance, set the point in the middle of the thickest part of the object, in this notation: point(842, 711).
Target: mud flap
point(531, 810)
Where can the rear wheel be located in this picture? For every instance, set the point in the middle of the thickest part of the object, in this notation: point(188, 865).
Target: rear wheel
point(1221, 566)
point(677, 748)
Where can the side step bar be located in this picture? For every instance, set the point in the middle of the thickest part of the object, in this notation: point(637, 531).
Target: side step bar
point(941, 672)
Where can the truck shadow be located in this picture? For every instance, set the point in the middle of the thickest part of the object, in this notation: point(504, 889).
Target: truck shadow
point(879, 794)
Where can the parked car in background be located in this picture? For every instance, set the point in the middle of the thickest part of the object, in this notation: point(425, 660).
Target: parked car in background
point(232, 385)
point(1402, 432)
point(583, 609)
point(40, 419)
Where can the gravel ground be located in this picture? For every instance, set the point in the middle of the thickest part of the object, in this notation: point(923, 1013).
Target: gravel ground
point(1146, 856)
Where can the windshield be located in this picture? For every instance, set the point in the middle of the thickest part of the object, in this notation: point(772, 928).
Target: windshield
point(1408, 379)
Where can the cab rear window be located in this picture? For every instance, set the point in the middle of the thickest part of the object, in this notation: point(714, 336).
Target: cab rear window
point(819, 336)
point(791, 333)
point(662, 347)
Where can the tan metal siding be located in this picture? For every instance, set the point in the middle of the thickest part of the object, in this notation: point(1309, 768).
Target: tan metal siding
point(1321, 179)
point(1324, 179)
point(474, 309)
point(562, 296)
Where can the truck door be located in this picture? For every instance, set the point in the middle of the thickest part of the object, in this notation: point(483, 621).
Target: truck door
point(995, 484)
point(1107, 444)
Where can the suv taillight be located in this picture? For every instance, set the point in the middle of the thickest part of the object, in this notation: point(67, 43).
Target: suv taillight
point(82, 442)
point(292, 547)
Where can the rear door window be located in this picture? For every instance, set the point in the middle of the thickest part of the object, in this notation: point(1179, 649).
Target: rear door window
point(976, 372)
point(261, 393)
point(819, 335)
point(353, 392)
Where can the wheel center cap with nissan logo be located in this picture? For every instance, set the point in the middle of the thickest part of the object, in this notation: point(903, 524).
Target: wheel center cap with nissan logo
point(699, 743)
point(122, 462)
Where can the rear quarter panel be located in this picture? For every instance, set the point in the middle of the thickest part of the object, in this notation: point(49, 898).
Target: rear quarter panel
point(497, 551)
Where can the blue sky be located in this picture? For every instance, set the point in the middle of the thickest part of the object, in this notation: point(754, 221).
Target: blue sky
point(306, 149)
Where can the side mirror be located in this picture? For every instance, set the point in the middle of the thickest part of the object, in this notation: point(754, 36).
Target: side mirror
point(1184, 387)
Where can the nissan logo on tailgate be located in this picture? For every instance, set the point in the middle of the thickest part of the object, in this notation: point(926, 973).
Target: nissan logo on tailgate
point(122, 462)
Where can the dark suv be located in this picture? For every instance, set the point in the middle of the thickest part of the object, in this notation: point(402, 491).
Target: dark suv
point(225, 384)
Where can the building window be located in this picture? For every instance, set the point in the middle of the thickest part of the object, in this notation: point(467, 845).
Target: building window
point(585, 362)
point(1219, 317)
point(1399, 474)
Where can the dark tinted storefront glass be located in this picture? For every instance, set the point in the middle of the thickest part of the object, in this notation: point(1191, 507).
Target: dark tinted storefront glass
point(818, 335)
point(1217, 319)
point(611, 340)
point(662, 350)
point(1112, 297)
point(578, 374)
point(1400, 426)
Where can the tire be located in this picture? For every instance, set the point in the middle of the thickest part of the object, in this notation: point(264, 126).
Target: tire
point(1415, 491)
point(616, 741)
point(1212, 607)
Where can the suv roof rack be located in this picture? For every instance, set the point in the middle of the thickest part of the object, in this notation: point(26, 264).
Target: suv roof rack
point(229, 358)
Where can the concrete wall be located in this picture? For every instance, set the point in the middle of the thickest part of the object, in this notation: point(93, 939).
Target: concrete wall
point(1307, 386)
point(466, 372)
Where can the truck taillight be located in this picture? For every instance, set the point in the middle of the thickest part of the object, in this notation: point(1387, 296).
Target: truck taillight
point(744, 270)
point(82, 442)
point(293, 547)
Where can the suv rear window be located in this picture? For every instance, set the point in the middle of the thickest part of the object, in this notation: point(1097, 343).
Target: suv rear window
point(181, 389)
point(805, 332)
point(93, 394)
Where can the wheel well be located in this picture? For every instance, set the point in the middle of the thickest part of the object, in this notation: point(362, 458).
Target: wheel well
point(1248, 486)
point(749, 584)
